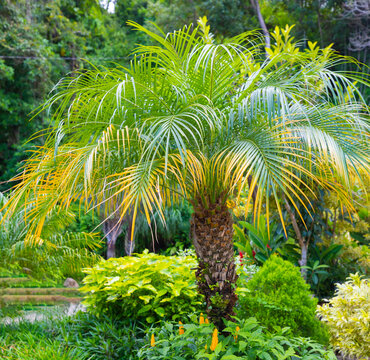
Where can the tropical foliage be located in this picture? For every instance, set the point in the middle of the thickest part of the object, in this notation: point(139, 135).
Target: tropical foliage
point(58, 253)
point(242, 339)
point(347, 316)
point(203, 121)
point(278, 297)
point(147, 287)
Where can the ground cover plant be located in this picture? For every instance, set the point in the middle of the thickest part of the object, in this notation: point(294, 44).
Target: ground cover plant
point(81, 337)
point(203, 121)
point(241, 340)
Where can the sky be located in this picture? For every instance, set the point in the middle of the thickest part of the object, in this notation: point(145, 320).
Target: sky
point(110, 4)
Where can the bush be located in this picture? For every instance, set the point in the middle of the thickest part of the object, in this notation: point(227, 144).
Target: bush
point(278, 296)
point(146, 286)
point(250, 341)
point(347, 315)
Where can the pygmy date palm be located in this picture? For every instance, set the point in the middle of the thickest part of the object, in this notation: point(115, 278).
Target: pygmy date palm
point(203, 121)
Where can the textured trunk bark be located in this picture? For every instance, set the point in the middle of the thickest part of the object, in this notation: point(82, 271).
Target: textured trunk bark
point(216, 276)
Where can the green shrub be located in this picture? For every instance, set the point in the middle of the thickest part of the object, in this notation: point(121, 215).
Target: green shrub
point(252, 342)
point(278, 296)
point(146, 286)
point(347, 316)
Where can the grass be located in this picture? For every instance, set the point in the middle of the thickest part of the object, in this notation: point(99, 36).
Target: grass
point(81, 337)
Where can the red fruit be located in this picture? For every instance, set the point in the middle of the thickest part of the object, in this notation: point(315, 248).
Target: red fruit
point(253, 253)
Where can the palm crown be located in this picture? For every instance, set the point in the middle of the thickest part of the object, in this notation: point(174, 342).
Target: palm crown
point(195, 119)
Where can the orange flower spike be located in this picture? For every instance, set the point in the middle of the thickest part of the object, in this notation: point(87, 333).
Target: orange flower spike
point(214, 340)
point(207, 321)
point(201, 319)
point(236, 333)
point(181, 328)
point(152, 341)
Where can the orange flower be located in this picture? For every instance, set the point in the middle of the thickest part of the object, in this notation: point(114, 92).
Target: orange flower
point(214, 340)
point(236, 333)
point(201, 319)
point(181, 328)
point(152, 341)
point(207, 321)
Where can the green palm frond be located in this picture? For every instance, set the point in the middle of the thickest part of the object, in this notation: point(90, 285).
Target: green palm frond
point(196, 119)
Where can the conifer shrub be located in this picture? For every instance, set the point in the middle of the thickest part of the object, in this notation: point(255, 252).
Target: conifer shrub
point(348, 319)
point(278, 296)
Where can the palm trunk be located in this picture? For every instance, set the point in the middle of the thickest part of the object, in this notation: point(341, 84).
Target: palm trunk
point(216, 276)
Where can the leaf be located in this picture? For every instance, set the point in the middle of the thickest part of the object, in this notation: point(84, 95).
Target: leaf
point(261, 257)
point(144, 309)
point(160, 311)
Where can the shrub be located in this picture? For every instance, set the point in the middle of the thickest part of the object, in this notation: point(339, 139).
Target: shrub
point(347, 315)
point(250, 341)
point(278, 296)
point(146, 286)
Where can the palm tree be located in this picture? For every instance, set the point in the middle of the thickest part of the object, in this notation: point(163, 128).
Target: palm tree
point(203, 121)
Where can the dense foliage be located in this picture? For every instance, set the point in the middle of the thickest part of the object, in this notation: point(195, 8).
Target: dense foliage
point(347, 316)
point(241, 340)
point(81, 337)
point(59, 253)
point(145, 286)
point(278, 297)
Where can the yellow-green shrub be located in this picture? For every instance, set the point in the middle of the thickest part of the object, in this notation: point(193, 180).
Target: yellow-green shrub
point(348, 317)
point(144, 286)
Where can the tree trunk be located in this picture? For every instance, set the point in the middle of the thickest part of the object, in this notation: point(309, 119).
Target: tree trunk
point(303, 261)
point(301, 240)
point(257, 9)
point(216, 276)
point(111, 250)
point(112, 229)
